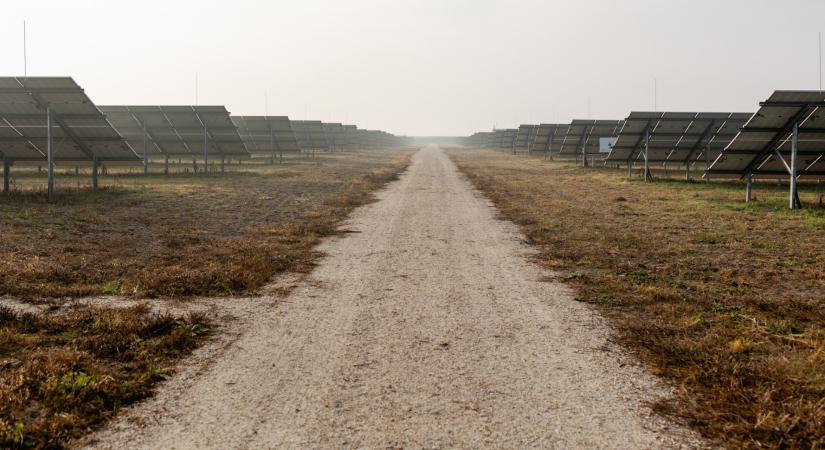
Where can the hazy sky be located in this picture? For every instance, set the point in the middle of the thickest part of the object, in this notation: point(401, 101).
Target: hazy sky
point(428, 67)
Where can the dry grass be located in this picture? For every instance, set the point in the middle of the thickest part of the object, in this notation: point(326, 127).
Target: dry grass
point(63, 372)
point(66, 371)
point(724, 299)
point(180, 235)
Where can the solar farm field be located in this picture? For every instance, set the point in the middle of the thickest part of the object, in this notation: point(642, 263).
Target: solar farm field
point(171, 236)
point(721, 298)
point(179, 235)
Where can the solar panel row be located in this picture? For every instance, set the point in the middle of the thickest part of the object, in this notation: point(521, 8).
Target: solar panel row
point(267, 136)
point(786, 137)
point(51, 119)
point(683, 139)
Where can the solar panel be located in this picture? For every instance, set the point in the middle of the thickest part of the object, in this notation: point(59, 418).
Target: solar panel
point(336, 135)
point(479, 139)
point(584, 136)
point(178, 130)
point(507, 138)
point(80, 132)
point(549, 138)
point(680, 138)
point(494, 139)
point(525, 136)
point(368, 139)
point(786, 137)
point(350, 137)
point(310, 134)
point(764, 144)
point(267, 135)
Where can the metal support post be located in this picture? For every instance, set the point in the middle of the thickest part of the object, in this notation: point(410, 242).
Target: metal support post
point(194, 165)
point(707, 162)
point(6, 174)
point(749, 188)
point(166, 165)
point(205, 150)
point(647, 178)
point(50, 154)
point(794, 197)
point(222, 163)
point(272, 144)
point(145, 152)
point(94, 174)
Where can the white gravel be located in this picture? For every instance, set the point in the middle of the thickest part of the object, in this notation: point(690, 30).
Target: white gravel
point(426, 328)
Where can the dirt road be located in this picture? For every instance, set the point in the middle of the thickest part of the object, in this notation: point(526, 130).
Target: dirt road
point(425, 328)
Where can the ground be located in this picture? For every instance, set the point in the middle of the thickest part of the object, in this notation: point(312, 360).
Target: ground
point(179, 235)
point(148, 245)
point(432, 321)
point(426, 326)
point(722, 298)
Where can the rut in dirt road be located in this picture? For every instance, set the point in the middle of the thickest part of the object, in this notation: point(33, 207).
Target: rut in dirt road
point(427, 327)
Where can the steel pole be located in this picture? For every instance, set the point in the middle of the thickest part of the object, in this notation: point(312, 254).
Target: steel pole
point(205, 150)
point(145, 152)
point(50, 154)
point(94, 174)
point(647, 148)
point(6, 174)
point(794, 196)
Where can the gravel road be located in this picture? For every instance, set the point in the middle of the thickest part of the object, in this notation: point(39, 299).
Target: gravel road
point(426, 327)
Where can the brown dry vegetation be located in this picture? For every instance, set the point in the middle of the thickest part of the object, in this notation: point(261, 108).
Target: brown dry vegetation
point(180, 235)
point(65, 371)
point(724, 299)
point(69, 369)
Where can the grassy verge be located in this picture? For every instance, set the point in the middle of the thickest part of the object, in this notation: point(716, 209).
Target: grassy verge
point(181, 235)
point(724, 299)
point(61, 373)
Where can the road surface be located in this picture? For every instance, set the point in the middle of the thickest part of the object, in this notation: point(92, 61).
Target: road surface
point(427, 327)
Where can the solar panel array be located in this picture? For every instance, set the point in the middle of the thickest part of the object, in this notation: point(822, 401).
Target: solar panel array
point(525, 136)
point(350, 137)
point(584, 136)
point(480, 139)
point(549, 138)
point(764, 145)
point(310, 134)
point(680, 138)
point(178, 130)
point(507, 138)
point(80, 131)
point(336, 135)
point(267, 135)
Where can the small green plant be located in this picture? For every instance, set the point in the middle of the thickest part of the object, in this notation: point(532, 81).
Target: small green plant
point(12, 436)
point(639, 276)
point(785, 328)
point(111, 288)
point(700, 321)
point(71, 383)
